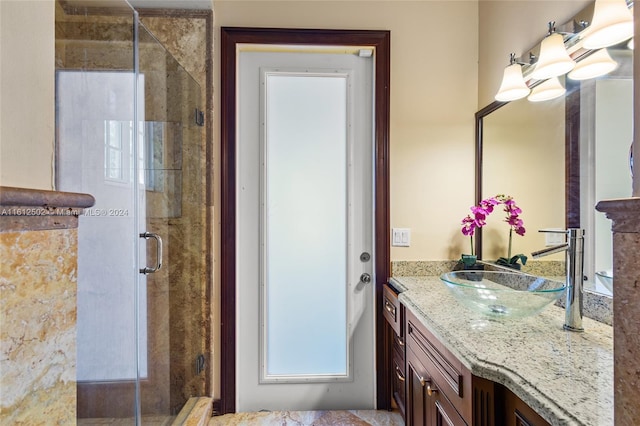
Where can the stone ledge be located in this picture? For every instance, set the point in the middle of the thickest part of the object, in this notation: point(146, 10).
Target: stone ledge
point(623, 212)
point(24, 209)
point(196, 412)
point(42, 201)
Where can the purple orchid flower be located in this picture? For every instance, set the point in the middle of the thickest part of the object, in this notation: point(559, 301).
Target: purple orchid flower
point(480, 212)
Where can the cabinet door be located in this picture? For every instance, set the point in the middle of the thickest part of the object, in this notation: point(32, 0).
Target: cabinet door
point(398, 380)
point(416, 413)
point(517, 413)
point(442, 411)
point(426, 405)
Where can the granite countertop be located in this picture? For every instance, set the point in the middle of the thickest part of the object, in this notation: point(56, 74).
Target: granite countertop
point(566, 377)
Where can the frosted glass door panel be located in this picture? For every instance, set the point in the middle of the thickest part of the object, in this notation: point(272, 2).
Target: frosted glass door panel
point(304, 214)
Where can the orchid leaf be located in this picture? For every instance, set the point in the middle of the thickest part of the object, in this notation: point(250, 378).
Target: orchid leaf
point(513, 260)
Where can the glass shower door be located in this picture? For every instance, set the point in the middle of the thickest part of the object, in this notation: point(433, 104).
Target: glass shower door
point(96, 155)
point(129, 132)
point(96, 143)
point(174, 210)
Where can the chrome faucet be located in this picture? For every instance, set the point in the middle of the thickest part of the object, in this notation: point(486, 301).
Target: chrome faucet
point(574, 267)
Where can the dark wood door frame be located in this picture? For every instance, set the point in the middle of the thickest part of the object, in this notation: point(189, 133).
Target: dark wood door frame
point(230, 39)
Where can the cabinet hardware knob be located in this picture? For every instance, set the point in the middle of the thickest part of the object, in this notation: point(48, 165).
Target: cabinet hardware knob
point(389, 307)
point(430, 390)
point(399, 374)
point(423, 381)
point(400, 341)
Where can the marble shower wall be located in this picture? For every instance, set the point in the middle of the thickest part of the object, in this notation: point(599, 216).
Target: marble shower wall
point(38, 277)
point(37, 337)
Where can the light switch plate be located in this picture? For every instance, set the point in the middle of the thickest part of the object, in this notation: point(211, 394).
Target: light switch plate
point(401, 237)
point(553, 239)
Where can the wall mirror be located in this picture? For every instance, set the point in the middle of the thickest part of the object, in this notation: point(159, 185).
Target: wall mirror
point(558, 158)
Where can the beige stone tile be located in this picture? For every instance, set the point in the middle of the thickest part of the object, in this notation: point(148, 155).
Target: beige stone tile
point(310, 418)
point(380, 417)
point(343, 418)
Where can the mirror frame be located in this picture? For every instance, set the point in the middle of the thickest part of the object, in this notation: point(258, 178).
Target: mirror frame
point(572, 157)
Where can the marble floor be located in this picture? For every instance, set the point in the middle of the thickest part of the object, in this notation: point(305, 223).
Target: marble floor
point(310, 418)
point(146, 421)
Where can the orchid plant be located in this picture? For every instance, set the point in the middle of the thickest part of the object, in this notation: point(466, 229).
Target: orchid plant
point(478, 217)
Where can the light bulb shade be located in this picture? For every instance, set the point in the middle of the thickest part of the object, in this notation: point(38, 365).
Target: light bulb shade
point(554, 59)
point(612, 23)
point(513, 85)
point(594, 65)
point(550, 89)
point(630, 45)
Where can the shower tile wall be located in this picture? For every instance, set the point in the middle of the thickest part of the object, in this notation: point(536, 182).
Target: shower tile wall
point(38, 314)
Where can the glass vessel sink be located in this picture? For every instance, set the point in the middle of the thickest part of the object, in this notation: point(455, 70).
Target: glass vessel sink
point(606, 279)
point(503, 294)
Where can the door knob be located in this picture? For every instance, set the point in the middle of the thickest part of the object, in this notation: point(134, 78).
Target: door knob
point(365, 278)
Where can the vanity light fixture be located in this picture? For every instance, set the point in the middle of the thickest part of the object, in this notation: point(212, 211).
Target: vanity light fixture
point(554, 59)
point(513, 86)
point(596, 64)
point(547, 90)
point(612, 23)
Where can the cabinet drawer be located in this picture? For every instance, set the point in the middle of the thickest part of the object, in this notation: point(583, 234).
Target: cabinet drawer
point(453, 379)
point(398, 381)
point(391, 309)
point(398, 345)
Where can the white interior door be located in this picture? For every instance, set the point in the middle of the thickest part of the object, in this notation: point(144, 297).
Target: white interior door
point(305, 311)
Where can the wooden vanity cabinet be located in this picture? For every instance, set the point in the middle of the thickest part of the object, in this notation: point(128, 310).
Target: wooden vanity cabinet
point(393, 312)
point(440, 390)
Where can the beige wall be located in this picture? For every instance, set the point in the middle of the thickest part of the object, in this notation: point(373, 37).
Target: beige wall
point(27, 93)
point(433, 99)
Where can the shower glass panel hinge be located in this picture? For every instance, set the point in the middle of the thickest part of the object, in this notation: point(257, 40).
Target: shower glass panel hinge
point(199, 117)
point(201, 364)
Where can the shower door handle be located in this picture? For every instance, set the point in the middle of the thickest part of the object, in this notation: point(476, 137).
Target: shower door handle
point(146, 236)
